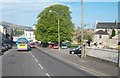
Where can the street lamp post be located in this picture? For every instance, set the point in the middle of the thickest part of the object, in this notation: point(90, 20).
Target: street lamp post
point(58, 27)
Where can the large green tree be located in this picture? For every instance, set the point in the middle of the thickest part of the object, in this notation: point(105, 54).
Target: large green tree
point(47, 24)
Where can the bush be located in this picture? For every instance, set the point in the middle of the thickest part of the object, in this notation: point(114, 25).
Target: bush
point(113, 33)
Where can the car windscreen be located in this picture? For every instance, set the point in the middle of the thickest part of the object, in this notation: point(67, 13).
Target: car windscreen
point(21, 42)
point(64, 45)
point(79, 47)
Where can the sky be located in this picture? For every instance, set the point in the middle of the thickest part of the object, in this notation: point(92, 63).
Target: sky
point(25, 12)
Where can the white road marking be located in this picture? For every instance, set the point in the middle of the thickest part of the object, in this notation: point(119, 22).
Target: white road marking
point(32, 55)
point(41, 66)
point(36, 60)
point(48, 75)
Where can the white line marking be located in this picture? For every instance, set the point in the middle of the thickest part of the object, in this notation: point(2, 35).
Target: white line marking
point(41, 66)
point(33, 56)
point(47, 74)
point(36, 60)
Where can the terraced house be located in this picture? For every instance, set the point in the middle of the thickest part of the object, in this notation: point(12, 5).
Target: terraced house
point(6, 33)
point(106, 34)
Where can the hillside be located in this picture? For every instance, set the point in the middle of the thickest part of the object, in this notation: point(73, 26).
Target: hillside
point(15, 26)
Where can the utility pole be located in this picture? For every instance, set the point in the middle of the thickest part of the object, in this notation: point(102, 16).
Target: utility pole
point(82, 27)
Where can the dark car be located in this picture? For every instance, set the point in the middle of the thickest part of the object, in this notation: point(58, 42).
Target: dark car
point(9, 45)
point(119, 43)
point(76, 50)
point(6, 46)
point(2, 50)
point(43, 44)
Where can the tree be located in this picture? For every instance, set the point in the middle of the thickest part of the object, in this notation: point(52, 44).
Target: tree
point(18, 33)
point(113, 33)
point(78, 32)
point(47, 24)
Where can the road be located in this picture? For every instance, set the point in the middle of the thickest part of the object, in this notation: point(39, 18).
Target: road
point(37, 63)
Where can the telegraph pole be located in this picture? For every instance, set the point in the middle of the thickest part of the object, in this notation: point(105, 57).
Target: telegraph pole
point(83, 53)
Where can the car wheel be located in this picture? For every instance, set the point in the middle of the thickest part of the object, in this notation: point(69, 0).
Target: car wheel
point(1, 53)
point(75, 52)
point(70, 52)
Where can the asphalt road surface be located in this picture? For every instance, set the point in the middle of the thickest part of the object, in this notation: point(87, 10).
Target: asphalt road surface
point(37, 63)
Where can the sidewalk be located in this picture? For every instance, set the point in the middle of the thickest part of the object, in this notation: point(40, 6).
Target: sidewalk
point(93, 66)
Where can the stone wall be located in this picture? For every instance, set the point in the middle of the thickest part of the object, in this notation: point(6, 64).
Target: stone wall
point(105, 54)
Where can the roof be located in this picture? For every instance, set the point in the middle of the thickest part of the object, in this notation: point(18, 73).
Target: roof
point(22, 39)
point(4, 26)
point(101, 32)
point(29, 30)
point(108, 25)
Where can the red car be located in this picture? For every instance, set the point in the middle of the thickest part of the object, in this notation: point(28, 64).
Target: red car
point(50, 46)
point(32, 45)
point(56, 46)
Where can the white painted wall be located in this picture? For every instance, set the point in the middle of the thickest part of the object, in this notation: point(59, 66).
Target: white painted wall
point(29, 35)
point(1, 28)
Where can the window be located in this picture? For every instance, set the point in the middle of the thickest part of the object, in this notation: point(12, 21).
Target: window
point(26, 34)
point(100, 36)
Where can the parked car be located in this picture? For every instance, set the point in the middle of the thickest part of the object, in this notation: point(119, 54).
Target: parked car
point(37, 43)
point(76, 50)
point(50, 45)
point(55, 46)
point(44, 44)
point(32, 45)
point(6, 46)
point(64, 46)
point(9, 45)
point(2, 50)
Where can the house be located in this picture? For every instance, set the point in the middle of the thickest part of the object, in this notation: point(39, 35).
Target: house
point(29, 34)
point(6, 33)
point(3, 31)
point(104, 34)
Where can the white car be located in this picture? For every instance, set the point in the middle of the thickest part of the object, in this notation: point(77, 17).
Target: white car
point(63, 46)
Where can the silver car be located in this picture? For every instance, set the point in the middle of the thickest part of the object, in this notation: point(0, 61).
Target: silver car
point(63, 46)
